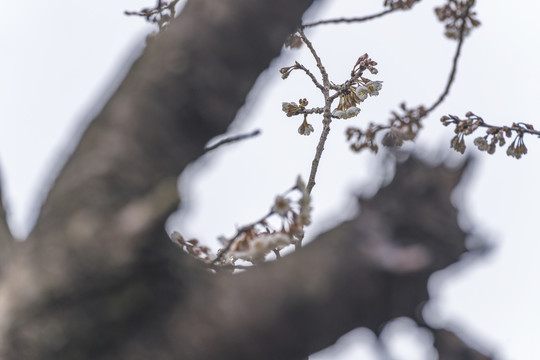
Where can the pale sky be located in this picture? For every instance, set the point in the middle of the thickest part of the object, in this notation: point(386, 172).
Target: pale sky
point(58, 64)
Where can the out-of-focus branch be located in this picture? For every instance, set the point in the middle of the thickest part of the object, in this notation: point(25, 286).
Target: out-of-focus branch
point(394, 6)
point(350, 20)
point(463, 31)
point(232, 139)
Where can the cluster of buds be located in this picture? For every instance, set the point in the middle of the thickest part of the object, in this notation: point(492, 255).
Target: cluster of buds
point(253, 242)
point(495, 135)
point(400, 4)
point(364, 63)
point(457, 17)
point(462, 128)
point(517, 147)
point(286, 71)
point(363, 139)
point(401, 128)
point(292, 109)
point(404, 127)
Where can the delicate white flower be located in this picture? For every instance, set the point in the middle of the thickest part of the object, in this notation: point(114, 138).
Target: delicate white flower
point(362, 92)
point(281, 206)
point(338, 113)
point(374, 87)
point(352, 112)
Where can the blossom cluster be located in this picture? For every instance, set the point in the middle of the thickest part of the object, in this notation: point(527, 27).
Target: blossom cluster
point(292, 109)
point(401, 128)
point(353, 96)
point(457, 17)
point(404, 127)
point(357, 89)
point(495, 135)
point(254, 242)
point(351, 93)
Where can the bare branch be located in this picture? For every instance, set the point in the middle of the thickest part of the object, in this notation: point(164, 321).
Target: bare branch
point(310, 74)
point(232, 139)
point(350, 20)
point(327, 116)
point(452, 75)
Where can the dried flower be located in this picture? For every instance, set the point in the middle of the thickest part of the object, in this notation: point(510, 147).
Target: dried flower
point(293, 41)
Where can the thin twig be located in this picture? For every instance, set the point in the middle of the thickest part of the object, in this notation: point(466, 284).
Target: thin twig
point(452, 75)
point(350, 20)
point(232, 139)
point(322, 70)
point(327, 116)
point(318, 153)
point(527, 129)
point(310, 74)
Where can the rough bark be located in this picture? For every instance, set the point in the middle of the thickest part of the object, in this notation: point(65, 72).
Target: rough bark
point(98, 277)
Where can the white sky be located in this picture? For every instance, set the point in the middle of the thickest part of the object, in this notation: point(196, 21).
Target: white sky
point(60, 60)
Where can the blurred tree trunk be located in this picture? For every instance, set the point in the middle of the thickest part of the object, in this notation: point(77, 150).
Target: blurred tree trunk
point(98, 277)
